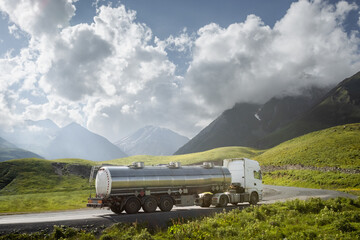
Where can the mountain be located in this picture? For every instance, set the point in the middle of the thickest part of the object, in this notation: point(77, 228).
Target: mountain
point(153, 141)
point(34, 136)
point(74, 141)
point(339, 106)
point(9, 151)
point(245, 124)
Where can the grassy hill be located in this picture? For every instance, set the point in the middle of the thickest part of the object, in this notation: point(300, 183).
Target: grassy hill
point(32, 185)
point(214, 155)
point(328, 159)
point(333, 147)
point(35, 185)
point(38, 185)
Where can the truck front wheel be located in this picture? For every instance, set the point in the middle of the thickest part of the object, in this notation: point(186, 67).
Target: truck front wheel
point(166, 203)
point(132, 205)
point(254, 198)
point(223, 201)
point(206, 200)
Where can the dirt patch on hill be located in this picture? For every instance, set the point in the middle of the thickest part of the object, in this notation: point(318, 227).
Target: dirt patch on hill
point(76, 169)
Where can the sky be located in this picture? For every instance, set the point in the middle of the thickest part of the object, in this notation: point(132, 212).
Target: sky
point(117, 66)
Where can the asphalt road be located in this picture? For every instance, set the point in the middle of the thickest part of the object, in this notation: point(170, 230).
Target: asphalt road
point(100, 218)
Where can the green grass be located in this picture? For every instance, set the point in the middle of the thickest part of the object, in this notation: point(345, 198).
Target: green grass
point(36, 176)
point(335, 147)
point(215, 155)
point(32, 185)
point(49, 201)
point(315, 179)
point(312, 219)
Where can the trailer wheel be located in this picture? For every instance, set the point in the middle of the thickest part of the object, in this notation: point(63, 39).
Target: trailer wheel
point(150, 205)
point(166, 204)
point(132, 205)
point(254, 198)
point(116, 209)
point(223, 201)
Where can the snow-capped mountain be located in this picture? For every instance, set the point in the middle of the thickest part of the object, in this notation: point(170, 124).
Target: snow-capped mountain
point(152, 140)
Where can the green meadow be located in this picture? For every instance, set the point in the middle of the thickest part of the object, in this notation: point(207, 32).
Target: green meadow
point(313, 219)
point(36, 185)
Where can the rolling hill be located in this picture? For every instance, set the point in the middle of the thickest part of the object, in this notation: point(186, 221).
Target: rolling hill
point(322, 159)
point(332, 147)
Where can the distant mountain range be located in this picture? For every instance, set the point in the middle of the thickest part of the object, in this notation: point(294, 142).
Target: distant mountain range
point(75, 141)
point(48, 140)
point(10, 151)
point(280, 119)
point(45, 138)
point(151, 140)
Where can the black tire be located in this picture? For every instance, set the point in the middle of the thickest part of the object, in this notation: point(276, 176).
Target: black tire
point(132, 205)
point(206, 200)
point(166, 203)
point(116, 209)
point(254, 198)
point(150, 205)
point(223, 201)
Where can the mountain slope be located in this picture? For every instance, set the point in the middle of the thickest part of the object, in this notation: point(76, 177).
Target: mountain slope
point(152, 140)
point(340, 106)
point(74, 141)
point(332, 147)
point(245, 123)
point(33, 136)
point(9, 151)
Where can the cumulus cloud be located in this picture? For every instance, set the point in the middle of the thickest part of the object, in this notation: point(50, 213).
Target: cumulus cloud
point(114, 76)
point(250, 61)
point(38, 17)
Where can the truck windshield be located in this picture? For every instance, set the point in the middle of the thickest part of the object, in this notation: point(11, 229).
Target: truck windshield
point(258, 175)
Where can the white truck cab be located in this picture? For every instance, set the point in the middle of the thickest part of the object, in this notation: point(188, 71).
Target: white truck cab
point(246, 183)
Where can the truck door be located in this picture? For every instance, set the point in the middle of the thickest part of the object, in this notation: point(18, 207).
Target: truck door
point(253, 176)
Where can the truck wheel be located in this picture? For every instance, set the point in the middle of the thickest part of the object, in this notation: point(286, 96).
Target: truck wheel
point(132, 205)
point(223, 201)
point(166, 204)
point(206, 200)
point(254, 198)
point(150, 205)
point(116, 209)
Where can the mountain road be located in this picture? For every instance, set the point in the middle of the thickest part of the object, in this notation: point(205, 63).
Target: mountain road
point(92, 219)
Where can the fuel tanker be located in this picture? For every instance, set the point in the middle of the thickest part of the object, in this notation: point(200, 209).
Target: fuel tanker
point(137, 186)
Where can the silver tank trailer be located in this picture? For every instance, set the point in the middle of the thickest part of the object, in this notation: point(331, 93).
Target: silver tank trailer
point(121, 180)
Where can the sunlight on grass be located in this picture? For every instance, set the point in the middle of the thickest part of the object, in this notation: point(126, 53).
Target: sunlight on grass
point(50, 201)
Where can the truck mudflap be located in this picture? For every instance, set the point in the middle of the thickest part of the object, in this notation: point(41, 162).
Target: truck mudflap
point(95, 203)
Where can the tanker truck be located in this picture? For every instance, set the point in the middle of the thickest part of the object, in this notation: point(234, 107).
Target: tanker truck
point(137, 186)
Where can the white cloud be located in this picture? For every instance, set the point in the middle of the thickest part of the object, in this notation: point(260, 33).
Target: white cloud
point(250, 61)
point(38, 17)
point(114, 76)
